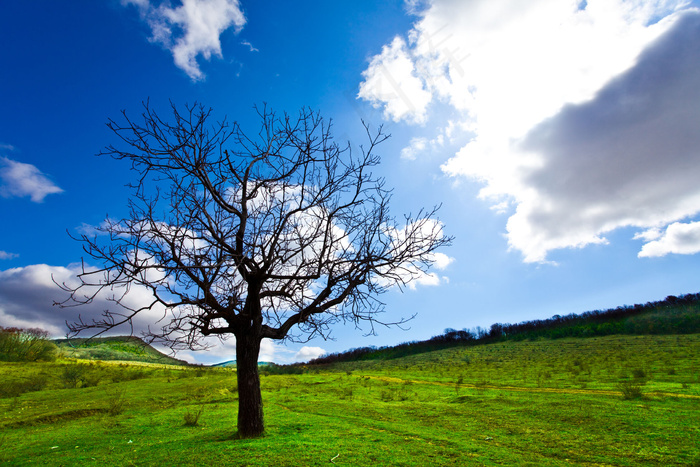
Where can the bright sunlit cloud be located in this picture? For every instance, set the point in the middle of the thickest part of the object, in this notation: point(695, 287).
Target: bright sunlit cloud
point(191, 29)
point(391, 80)
point(307, 353)
point(679, 238)
point(583, 116)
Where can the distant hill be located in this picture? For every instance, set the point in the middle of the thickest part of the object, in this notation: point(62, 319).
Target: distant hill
point(232, 363)
point(129, 348)
point(673, 315)
point(226, 363)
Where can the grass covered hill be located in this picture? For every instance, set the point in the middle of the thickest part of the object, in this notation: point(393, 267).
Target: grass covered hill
point(673, 315)
point(121, 348)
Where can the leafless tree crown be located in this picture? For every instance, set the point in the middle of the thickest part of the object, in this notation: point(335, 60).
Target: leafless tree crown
point(240, 234)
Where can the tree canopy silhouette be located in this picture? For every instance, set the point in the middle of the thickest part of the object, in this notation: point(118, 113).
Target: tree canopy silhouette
point(278, 234)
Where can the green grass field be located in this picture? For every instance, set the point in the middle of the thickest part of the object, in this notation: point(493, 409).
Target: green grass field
point(547, 402)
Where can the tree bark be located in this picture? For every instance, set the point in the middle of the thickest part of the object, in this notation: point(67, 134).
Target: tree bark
point(250, 408)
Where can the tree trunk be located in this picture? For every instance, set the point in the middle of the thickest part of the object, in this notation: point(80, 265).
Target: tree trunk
point(250, 408)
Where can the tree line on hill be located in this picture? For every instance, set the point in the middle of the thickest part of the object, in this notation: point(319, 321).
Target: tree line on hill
point(673, 315)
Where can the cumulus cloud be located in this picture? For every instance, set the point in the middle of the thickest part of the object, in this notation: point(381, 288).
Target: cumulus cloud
point(307, 353)
point(414, 148)
point(628, 157)
point(442, 260)
point(413, 274)
point(582, 115)
point(391, 82)
point(20, 179)
point(191, 29)
point(678, 238)
point(27, 295)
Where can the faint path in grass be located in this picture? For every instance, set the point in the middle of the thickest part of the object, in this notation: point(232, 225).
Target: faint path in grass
point(602, 392)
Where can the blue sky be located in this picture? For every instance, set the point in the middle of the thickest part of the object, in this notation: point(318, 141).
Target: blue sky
point(560, 137)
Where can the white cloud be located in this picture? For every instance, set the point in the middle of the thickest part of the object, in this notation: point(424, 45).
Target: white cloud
point(442, 260)
point(429, 147)
point(27, 295)
point(6, 255)
point(628, 157)
point(648, 235)
point(570, 124)
point(414, 7)
point(426, 280)
point(412, 273)
point(20, 179)
point(191, 29)
point(679, 238)
point(92, 230)
point(391, 81)
point(307, 353)
point(414, 148)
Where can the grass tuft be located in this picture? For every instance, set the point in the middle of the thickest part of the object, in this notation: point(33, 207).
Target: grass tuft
point(192, 418)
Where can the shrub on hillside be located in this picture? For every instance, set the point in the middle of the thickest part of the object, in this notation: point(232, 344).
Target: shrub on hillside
point(26, 345)
point(74, 375)
point(631, 389)
point(126, 373)
point(31, 383)
point(274, 369)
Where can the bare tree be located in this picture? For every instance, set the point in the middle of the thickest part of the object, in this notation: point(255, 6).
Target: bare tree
point(278, 235)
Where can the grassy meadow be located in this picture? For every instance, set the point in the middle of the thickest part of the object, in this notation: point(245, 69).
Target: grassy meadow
point(613, 400)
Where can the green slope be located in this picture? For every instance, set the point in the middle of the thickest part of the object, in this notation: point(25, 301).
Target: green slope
point(124, 348)
point(671, 316)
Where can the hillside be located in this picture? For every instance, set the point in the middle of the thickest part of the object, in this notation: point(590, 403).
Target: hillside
point(123, 348)
point(673, 315)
